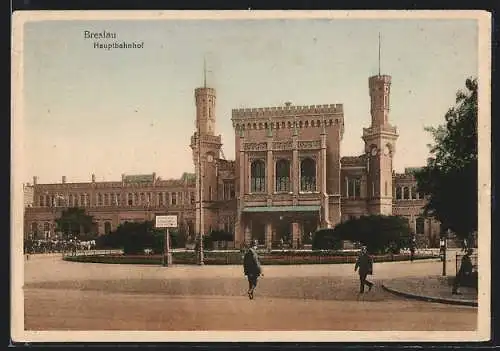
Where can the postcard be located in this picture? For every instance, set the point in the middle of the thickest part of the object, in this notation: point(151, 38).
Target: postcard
point(251, 176)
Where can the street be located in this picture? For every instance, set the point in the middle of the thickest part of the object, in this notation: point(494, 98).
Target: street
point(63, 295)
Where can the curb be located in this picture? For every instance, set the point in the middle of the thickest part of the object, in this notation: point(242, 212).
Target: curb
point(431, 298)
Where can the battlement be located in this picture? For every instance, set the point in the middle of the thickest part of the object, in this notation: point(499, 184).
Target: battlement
point(289, 110)
point(353, 161)
point(387, 129)
point(204, 91)
point(212, 139)
point(225, 165)
point(379, 79)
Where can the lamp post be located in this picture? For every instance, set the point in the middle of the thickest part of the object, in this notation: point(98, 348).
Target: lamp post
point(445, 246)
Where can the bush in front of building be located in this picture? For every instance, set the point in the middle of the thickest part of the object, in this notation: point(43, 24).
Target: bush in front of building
point(379, 233)
point(134, 237)
point(324, 239)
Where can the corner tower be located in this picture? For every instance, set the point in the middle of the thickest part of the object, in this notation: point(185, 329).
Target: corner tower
point(206, 147)
point(380, 146)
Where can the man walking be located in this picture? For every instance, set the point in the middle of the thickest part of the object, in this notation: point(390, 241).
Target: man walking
point(251, 268)
point(365, 265)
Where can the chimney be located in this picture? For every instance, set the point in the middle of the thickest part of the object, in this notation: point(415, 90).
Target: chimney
point(35, 178)
point(93, 178)
point(64, 179)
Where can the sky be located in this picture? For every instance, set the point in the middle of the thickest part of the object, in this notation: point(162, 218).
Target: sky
point(132, 111)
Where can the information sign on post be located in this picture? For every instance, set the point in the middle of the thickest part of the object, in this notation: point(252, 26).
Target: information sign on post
point(166, 222)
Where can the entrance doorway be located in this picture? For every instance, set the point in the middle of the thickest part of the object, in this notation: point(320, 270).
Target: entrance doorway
point(283, 230)
point(258, 231)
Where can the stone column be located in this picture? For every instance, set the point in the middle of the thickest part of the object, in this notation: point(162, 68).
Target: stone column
point(269, 235)
point(240, 226)
point(295, 168)
point(269, 168)
point(248, 234)
point(324, 196)
point(295, 234)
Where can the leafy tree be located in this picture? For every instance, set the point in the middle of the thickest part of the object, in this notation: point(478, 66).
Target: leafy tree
point(74, 221)
point(451, 171)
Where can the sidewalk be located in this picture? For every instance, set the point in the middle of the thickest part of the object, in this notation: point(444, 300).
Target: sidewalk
point(432, 289)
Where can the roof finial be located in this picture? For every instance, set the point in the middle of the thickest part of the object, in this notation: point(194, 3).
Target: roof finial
point(379, 53)
point(204, 72)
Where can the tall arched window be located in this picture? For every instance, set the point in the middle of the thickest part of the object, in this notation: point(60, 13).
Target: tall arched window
point(258, 177)
point(413, 192)
point(420, 225)
point(308, 175)
point(406, 193)
point(283, 176)
point(107, 227)
point(398, 193)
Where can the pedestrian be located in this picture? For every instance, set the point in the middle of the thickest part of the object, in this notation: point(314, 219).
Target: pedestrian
point(464, 272)
point(365, 265)
point(252, 269)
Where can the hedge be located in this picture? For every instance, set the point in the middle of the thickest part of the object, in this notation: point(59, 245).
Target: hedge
point(235, 258)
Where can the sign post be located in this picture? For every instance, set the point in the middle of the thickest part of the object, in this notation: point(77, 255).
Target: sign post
point(166, 222)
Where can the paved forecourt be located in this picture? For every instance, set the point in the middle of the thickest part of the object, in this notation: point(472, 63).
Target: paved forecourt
point(62, 295)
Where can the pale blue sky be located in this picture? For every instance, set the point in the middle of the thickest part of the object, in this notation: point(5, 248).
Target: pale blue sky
point(132, 110)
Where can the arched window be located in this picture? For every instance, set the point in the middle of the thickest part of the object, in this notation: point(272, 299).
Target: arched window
point(398, 193)
point(283, 176)
point(130, 199)
point(413, 192)
point(258, 177)
point(420, 225)
point(107, 227)
point(308, 175)
point(406, 193)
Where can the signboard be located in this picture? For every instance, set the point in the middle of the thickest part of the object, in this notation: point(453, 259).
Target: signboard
point(166, 221)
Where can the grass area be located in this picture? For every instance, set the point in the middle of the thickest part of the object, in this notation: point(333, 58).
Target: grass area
point(235, 258)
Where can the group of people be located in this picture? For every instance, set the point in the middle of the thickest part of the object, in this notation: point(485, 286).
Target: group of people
point(252, 269)
point(364, 266)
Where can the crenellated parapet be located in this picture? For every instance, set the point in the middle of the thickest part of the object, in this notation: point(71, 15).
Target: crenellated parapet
point(353, 161)
point(284, 116)
point(225, 165)
point(206, 139)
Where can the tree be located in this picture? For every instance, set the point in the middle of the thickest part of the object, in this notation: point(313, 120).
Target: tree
point(449, 179)
point(73, 222)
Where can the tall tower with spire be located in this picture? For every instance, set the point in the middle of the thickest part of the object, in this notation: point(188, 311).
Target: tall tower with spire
point(380, 144)
point(206, 147)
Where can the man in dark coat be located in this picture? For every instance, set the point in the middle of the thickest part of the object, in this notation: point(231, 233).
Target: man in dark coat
point(464, 272)
point(251, 268)
point(365, 265)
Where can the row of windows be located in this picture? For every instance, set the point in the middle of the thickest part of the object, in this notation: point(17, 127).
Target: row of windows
point(283, 176)
point(407, 193)
point(117, 199)
point(289, 124)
